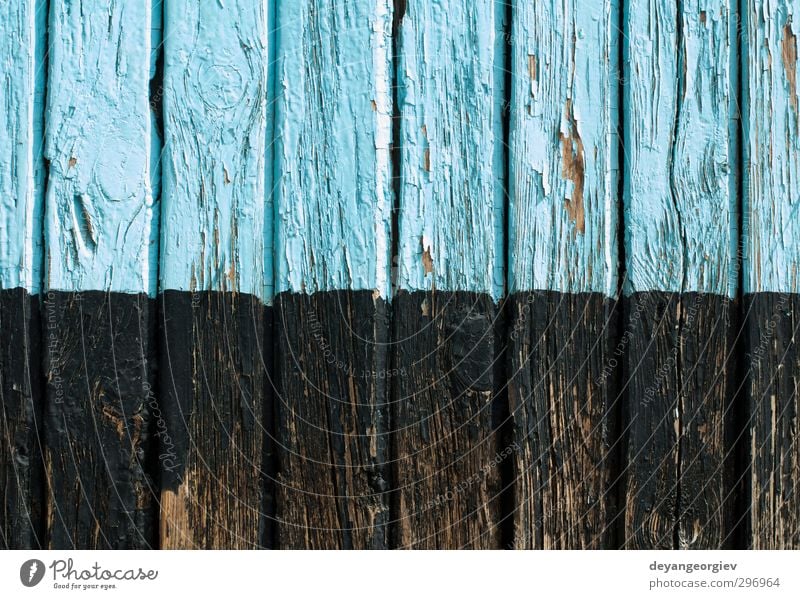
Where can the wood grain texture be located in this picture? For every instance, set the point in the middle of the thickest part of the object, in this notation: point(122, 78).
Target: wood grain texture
point(333, 130)
point(679, 103)
point(563, 364)
point(213, 231)
point(21, 423)
point(771, 274)
point(680, 239)
point(563, 271)
point(100, 276)
point(332, 382)
point(773, 363)
point(450, 238)
point(447, 452)
point(98, 362)
point(332, 243)
point(450, 93)
point(22, 174)
point(214, 413)
point(679, 388)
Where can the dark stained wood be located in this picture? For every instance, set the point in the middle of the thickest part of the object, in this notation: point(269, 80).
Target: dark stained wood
point(447, 371)
point(332, 437)
point(99, 369)
point(773, 363)
point(215, 401)
point(679, 385)
point(21, 426)
point(563, 403)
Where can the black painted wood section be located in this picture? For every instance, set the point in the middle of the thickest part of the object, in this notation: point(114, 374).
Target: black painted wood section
point(564, 362)
point(331, 401)
point(678, 419)
point(99, 365)
point(215, 356)
point(773, 367)
point(447, 372)
point(21, 424)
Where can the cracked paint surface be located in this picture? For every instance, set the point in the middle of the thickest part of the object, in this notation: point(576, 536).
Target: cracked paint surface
point(564, 147)
point(22, 88)
point(450, 78)
point(680, 189)
point(771, 173)
point(333, 195)
point(215, 156)
point(101, 218)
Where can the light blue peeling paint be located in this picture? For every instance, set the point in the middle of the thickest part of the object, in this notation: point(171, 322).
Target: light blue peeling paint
point(22, 88)
point(564, 172)
point(451, 206)
point(100, 220)
point(333, 130)
point(680, 214)
point(771, 119)
point(215, 159)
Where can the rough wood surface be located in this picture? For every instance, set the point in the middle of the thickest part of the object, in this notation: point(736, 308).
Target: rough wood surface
point(564, 147)
point(679, 415)
point(563, 402)
point(332, 383)
point(451, 57)
point(100, 234)
point(22, 79)
point(446, 374)
point(211, 429)
point(98, 361)
point(563, 256)
point(214, 218)
point(771, 276)
point(681, 270)
point(773, 362)
point(332, 246)
point(21, 424)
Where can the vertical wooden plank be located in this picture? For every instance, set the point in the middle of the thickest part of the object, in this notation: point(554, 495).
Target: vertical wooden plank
point(22, 174)
point(213, 286)
point(771, 273)
point(100, 274)
point(333, 210)
point(680, 235)
point(563, 271)
point(447, 352)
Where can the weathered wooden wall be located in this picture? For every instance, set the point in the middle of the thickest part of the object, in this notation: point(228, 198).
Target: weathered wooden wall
point(399, 274)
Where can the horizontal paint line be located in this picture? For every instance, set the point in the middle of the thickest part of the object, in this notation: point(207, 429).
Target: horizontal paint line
point(33, 290)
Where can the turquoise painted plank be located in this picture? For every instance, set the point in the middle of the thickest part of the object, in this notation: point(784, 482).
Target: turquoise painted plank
point(333, 197)
point(450, 93)
point(563, 269)
point(771, 121)
point(680, 200)
point(771, 263)
point(215, 160)
point(22, 89)
point(564, 172)
point(101, 219)
point(681, 221)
